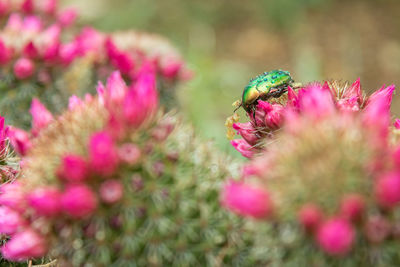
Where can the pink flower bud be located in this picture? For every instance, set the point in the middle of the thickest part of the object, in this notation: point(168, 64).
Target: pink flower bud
point(67, 17)
point(27, 6)
point(45, 201)
point(51, 53)
point(10, 221)
point(336, 237)
point(103, 156)
point(387, 190)
point(293, 100)
point(396, 124)
point(247, 131)
point(246, 200)
point(377, 229)
point(273, 114)
point(121, 60)
point(352, 207)
point(111, 191)
point(243, 147)
point(73, 168)
point(5, 53)
point(19, 140)
point(32, 24)
point(3, 136)
point(384, 93)
point(68, 52)
point(14, 23)
point(24, 245)
point(24, 68)
point(89, 40)
point(49, 6)
point(315, 101)
point(30, 51)
point(41, 117)
point(115, 90)
point(12, 196)
point(78, 201)
point(74, 102)
point(310, 217)
point(5, 7)
point(171, 69)
point(142, 100)
point(129, 153)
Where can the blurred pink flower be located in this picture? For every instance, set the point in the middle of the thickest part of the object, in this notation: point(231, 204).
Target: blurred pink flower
point(310, 216)
point(5, 53)
point(243, 147)
point(103, 156)
point(111, 191)
point(19, 140)
point(377, 229)
point(247, 131)
point(24, 68)
point(10, 221)
point(396, 124)
point(336, 237)
point(41, 117)
point(246, 200)
point(30, 51)
point(129, 153)
point(73, 168)
point(12, 196)
point(24, 245)
point(387, 190)
point(67, 17)
point(352, 207)
point(78, 201)
point(45, 201)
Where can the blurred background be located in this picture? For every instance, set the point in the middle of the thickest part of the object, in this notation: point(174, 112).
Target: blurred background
point(227, 42)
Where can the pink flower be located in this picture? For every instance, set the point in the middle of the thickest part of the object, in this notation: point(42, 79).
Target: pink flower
point(142, 100)
point(73, 168)
point(336, 237)
point(25, 245)
point(247, 131)
point(3, 136)
point(352, 207)
point(272, 118)
point(24, 68)
point(103, 156)
point(310, 217)
point(67, 17)
point(74, 102)
point(68, 52)
point(45, 201)
point(19, 140)
point(12, 196)
point(41, 117)
point(14, 23)
point(246, 200)
point(32, 24)
point(27, 6)
point(111, 191)
point(387, 190)
point(30, 51)
point(5, 7)
point(383, 93)
point(396, 124)
point(121, 60)
point(78, 201)
point(5, 53)
point(10, 221)
point(89, 40)
point(129, 153)
point(315, 101)
point(49, 6)
point(115, 90)
point(171, 69)
point(243, 147)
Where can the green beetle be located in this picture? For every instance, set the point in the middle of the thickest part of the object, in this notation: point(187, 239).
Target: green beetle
point(269, 84)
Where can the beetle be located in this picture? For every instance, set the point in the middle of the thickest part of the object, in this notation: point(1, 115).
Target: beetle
point(269, 84)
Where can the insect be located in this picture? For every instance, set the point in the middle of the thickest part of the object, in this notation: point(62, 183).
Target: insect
point(269, 84)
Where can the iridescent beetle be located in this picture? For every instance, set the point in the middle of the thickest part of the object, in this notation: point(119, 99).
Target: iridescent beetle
point(269, 84)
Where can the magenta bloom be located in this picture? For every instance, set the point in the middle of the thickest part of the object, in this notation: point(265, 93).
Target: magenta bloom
point(3, 135)
point(396, 124)
point(24, 68)
point(246, 200)
point(387, 190)
point(310, 216)
point(78, 201)
point(247, 131)
point(103, 155)
point(377, 229)
point(41, 117)
point(73, 168)
point(142, 99)
point(19, 140)
point(67, 17)
point(243, 147)
point(111, 191)
point(10, 221)
point(115, 90)
point(336, 237)
point(11, 195)
point(45, 201)
point(129, 153)
point(24, 245)
point(5, 53)
point(30, 51)
point(171, 69)
point(352, 207)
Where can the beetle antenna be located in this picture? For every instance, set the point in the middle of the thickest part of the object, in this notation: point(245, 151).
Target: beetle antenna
point(238, 107)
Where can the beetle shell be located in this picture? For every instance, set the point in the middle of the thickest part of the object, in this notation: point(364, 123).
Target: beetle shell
point(264, 86)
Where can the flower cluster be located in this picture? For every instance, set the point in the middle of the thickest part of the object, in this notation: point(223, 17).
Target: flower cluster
point(113, 181)
point(45, 54)
point(330, 175)
point(269, 116)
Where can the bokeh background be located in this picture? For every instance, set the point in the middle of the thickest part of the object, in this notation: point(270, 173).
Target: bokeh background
point(226, 42)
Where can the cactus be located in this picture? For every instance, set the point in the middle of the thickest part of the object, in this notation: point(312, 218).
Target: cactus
point(325, 191)
point(114, 182)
